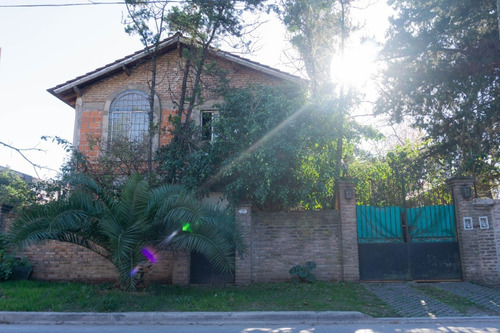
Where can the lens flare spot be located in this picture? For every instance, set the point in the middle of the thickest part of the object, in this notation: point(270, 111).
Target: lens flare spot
point(150, 254)
point(134, 271)
point(187, 227)
point(169, 238)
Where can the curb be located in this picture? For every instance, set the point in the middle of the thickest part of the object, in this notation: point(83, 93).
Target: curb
point(178, 318)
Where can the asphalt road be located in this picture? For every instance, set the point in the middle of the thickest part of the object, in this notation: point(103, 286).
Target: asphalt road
point(475, 325)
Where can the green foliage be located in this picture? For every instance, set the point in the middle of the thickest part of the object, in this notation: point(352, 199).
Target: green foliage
point(442, 76)
point(147, 20)
point(270, 147)
point(406, 175)
point(184, 162)
point(119, 228)
point(304, 273)
point(7, 261)
point(316, 29)
point(201, 20)
point(114, 163)
point(258, 146)
point(14, 191)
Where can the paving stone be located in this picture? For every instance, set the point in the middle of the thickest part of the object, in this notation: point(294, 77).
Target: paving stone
point(488, 298)
point(410, 302)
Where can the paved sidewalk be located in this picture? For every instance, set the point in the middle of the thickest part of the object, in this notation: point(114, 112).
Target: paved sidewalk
point(488, 298)
point(409, 301)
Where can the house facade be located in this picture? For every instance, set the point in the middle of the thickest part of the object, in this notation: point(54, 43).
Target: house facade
point(114, 99)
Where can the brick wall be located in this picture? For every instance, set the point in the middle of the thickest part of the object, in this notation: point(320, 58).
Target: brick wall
point(479, 247)
point(282, 240)
point(277, 241)
point(60, 261)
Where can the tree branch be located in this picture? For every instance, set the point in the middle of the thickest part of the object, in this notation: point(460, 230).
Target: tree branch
point(20, 152)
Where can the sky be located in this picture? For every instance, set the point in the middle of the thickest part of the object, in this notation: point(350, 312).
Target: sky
point(42, 47)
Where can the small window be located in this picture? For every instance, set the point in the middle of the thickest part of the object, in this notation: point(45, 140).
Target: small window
point(128, 116)
point(208, 119)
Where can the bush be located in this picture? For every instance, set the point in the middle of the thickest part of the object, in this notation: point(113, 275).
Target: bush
point(7, 261)
point(303, 273)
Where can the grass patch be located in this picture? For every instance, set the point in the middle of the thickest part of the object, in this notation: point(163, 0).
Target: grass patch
point(78, 297)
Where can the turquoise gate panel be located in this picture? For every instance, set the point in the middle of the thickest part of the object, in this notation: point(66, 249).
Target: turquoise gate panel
point(425, 224)
point(428, 252)
point(379, 224)
point(431, 223)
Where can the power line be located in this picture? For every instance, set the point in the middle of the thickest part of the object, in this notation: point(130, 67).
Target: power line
point(62, 4)
point(91, 3)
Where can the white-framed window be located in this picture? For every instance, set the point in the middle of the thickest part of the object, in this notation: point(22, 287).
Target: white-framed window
point(128, 116)
point(208, 119)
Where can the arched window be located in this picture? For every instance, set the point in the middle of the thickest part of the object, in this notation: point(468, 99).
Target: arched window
point(128, 116)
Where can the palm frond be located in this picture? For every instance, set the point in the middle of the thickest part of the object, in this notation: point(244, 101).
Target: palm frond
point(119, 229)
point(133, 201)
point(209, 243)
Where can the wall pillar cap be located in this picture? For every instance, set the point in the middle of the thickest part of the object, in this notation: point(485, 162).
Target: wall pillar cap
point(348, 180)
point(482, 203)
point(460, 178)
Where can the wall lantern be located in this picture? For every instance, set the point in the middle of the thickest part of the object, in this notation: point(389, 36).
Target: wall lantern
point(466, 191)
point(348, 193)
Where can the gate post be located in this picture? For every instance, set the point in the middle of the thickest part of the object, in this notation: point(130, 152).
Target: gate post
point(479, 243)
point(348, 231)
point(243, 265)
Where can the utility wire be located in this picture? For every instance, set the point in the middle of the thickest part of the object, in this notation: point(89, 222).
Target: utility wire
point(61, 4)
point(92, 3)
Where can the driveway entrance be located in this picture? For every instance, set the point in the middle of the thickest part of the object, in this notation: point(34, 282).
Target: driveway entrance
point(397, 244)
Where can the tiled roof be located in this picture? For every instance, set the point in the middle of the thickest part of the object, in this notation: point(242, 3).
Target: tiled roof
point(66, 91)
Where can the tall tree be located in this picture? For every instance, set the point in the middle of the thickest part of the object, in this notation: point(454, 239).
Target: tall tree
point(147, 20)
point(319, 30)
point(315, 29)
point(14, 191)
point(258, 148)
point(204, 24)
point(443, 75)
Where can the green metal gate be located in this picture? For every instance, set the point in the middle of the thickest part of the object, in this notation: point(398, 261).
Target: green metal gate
point(408, 244)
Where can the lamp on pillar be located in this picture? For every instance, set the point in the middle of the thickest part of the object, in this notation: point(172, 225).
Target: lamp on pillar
point(466, 191)
point(348, 193)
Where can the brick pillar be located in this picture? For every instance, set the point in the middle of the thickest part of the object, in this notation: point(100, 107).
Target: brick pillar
point(479, 246)
point(243, 273)
point(181, 268)
point(348, 231)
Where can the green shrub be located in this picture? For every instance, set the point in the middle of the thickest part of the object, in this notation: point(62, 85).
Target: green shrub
point(304, 273)
point(7, 261)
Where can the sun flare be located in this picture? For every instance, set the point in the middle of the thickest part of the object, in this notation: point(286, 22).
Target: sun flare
point(357, 66)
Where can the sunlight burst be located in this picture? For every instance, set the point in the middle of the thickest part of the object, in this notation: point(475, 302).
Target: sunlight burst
point(358, 65)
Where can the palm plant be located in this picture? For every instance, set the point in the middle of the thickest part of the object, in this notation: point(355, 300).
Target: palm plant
point(120, 228)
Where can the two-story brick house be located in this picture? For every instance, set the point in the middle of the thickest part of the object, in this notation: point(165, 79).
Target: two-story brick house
point(114, 99)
